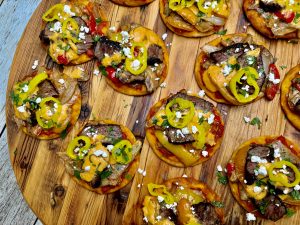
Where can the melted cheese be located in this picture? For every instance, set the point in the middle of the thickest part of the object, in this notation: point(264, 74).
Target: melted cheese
point(116, 58)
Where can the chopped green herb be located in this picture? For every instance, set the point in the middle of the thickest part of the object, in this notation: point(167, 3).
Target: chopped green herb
point(272, 191)
point(128, 176)
point(103, 70)
point(235, 66)
point(262, 206)
point(296, 18)
point(221, 32)
point(154, 120)
point(260, 183)
point(165, 124)
point(15, 98)
point(201, 120)
point(251, 60)
point(98, 20)
point(77, 174)
point(295, 195)
point(256, 121)
point(243, 92)
point(222, 178)
point(217, 204)
point(96, 38)
point(283, 67)
point(105, 174)
point(290, 212)
point(200, 14)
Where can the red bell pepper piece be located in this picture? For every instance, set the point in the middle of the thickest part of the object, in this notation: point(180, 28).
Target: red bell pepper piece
point(230, 167)
point(62, 60)
point(272, 88)
point(287, 17)
point(111, 74)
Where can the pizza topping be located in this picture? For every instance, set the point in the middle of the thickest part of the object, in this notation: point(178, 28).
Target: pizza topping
point(122, 152)
point(78, 147)
point(294, 96)
point(137, 63)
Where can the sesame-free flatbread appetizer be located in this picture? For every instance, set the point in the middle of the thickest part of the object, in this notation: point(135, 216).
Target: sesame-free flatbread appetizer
point(192, 18)
point(182, 201)
point(132, 2)
point(103, 157)
point(46, 104)
point(274, 18)
point(184, 130)
point(133, 59)
point(70, 29)
point(234, 69)
point(264, 177)
point(290, 96)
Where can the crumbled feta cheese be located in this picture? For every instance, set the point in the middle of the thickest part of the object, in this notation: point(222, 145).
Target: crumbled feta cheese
point(184, 175)
point(225, 84)
point(137, 121)
point(211, 119)
point(125, 36)
point(61, 81)
point(25, 88)
point(226, 70)
point(144, 173)
point(257, 189)
point(244, 78)
point(109, 147)
point(163, 85)
point(100, 153)
point(158, 217)
point(160, 198)
point(56, 27)
point(178, 114)
point(246, 119)
point(140, 171)
point(164, 36)
point(178, 132)
point(246, 87)
point(87, 168)
point(250, 217)
point(185, 130)
point(35, 64)
point(145, 219)
point(245, 181)
point(204, 153)
point(38, 100)
point(194, 129)
point(262, 170)
point(135, 64)
point(139, 185)
point(286, 191)
point(201, 93)
point(67, 9)
point(272, 78)
point(255, 158)
point(191, 150)
point(277, 153)
point(81, 36)
point(127, 52)
point(96, 72)
point(181, 188)
point(21, 108)
point(297, 187)
point(219, 168)
point(112, 28)
point(200, 115)
point(85, 29)
point(157, 78)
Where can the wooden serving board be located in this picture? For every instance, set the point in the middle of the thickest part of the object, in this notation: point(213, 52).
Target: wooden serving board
point(57, 199)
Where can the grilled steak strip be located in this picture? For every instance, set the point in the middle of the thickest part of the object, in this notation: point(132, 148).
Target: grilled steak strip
point(269, 6)
point(155, 55)
point(206, 213)
point(178, 138)
point(47, 89)
point(106, 46)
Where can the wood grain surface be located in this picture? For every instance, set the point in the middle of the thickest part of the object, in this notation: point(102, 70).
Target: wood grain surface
point(41, 175)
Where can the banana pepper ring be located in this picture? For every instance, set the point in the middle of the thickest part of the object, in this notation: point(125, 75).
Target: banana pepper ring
point(283, 179)
point(200, 137)
point(52, 13)
point(161, 190)
point(70, 29)
point(122, 152)
point(178, 4)
point(81, 142)
point(31, 86)
point(186, 107)
point(44, 116)
point(251, 75)
point(137, 63)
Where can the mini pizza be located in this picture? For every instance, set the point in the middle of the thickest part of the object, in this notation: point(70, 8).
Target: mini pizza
point(192, 18)
point(103, 157)
point(133, 58)
point(264, 177)
point(46, 104)
point(182, 201)
point(274, 18)
point(70, 30)
point(290, 96)
point(184, 130)
point(236, 70)
point(132, 2)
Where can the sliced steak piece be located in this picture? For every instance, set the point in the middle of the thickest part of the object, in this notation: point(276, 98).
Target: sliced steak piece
point(198, 102)
point(155, 55)
point(264, 152)
point(85, 45)
point(178, 138)
point(206, 213)
point(269, 6)
point(271, 207)
point(47, 89)
point(166, 213)
point(106, 46)
point(125, 77)
point(46, 33)
point(232, 50)
point(80, 21)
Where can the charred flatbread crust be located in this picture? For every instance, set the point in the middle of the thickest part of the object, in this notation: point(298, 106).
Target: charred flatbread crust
point(97, 12)
point(55, 132)
point(194, 33)
point(285, 87)
point(141, 34)
point(259, 23)
point(132, 2)
point(169, 157)
point(130, 171)
point(199, 71)
point(239, 159)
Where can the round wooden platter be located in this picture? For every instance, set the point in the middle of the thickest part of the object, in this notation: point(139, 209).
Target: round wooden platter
point(57, 199)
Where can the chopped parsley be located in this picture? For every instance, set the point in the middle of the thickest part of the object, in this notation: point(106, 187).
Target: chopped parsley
point(105, 173)
point(256, 121)
point(15, 98)
point(290, 212)
point(201, 120)
point(260, 183)
point(297, 17)
point(283, 67)
point(103, 70)
point(128, 176)
point(235, 66)
point(200, 14)
point(217, 204)
point(65, 48)
point(262, 206)
point(222, 178)
point(77, 174)
point(154, 120)
point(98, 20)
point(165, 123)
point(221, 32)
point(96, 38)
point(295, 195)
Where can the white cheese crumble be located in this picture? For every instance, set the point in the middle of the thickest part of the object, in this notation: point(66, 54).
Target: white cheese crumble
point(125, 36)
point(67, 9)
point(246, 119)
point(100, 153)
point(297, 187)
point(164, 36)
point(96, 72)
point(38, 100)
point(61, 81)
point(135, 64)
point(21, 108)
point(262, 170)
point(112, 28)
point(185, 130)
point(178, 132)
point(277, 153)
point(194, 129)
point(200, 115)
point(184, 175)
point(137, 121)
point(219, 168)
point(226, 70)
point(201, 93)
point(56, 27)
point(250, 217)
point(272, 79)
point(81, 35)
point(211, 119)
point(204, 153)
point(257, 189)
point(255, 158)
point(286, 191)
point(178, 115)
point(109, 147)
point(160, 199)
point(35, 64)
point(87, 168)
point(163, 85)
point(127, 52)
point(25, 88)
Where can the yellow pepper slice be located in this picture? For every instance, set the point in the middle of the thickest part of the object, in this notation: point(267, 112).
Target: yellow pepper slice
point(203, 8)
point(161, 190)
point(81, 142)
point(45, 116)
point(70, 29)
point(189, 3)
point(31, 87)
point(137, 63)
point(200, 137)
point(176, 4)
point(52, 13)
point(122, 152)
point(282, 178)
point(186, 109)
point(251, 75)
point(188, 194)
